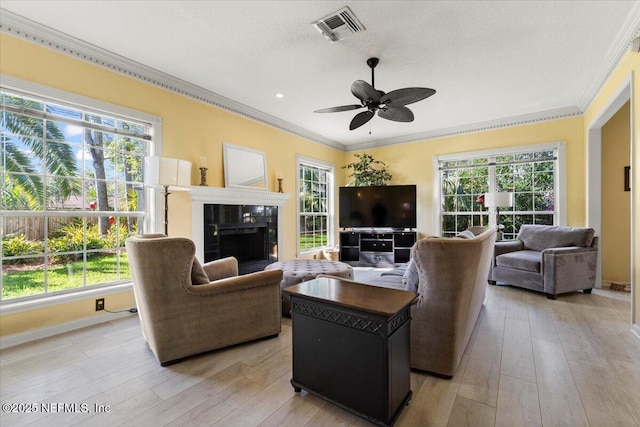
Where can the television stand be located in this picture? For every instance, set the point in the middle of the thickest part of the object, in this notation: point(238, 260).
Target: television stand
point(376, 248)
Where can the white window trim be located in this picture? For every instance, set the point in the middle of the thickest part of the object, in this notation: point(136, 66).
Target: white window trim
point(331, 201)
point(154, 220)
point(560, 176)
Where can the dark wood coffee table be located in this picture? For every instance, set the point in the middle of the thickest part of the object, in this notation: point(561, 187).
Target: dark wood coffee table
point(351, 345)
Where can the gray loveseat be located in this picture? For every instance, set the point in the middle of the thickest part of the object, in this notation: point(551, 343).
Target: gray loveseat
point(550, 259)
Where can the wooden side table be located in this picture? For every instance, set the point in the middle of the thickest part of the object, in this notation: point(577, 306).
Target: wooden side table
point(351, 345)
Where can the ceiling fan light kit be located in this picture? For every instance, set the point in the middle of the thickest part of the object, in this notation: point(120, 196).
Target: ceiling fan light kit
point(390, 106)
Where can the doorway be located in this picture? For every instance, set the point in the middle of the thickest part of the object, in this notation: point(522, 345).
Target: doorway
point(594, 173)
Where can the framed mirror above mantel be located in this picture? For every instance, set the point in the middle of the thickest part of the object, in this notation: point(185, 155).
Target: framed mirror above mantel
point(244, 167)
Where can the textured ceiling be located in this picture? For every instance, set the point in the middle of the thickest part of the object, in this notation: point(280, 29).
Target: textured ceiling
point(489, 61)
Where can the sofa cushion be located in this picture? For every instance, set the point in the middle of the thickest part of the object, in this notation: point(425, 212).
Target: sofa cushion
point(540, 237)
point(198, 275)
point(466, 234)
point(410, 277)
point(520, 260)
point(391, 282)
point(398, 271)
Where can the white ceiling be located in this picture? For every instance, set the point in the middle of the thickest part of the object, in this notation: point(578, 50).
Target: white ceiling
point(491, 62)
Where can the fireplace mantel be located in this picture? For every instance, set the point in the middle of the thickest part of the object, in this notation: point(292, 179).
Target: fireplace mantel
point(201, 196)
point(237, 196)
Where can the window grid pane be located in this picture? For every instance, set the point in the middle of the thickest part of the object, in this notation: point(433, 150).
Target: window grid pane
point(530, 176)
point(81, 190)
point(314, 207)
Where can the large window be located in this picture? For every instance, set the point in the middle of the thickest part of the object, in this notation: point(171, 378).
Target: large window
point(71, 193)
point(315, 201)
point(533, 174)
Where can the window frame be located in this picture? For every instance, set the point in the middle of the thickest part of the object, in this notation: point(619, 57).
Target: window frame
point(559, 147)
point(330, 168)
point(151, 215)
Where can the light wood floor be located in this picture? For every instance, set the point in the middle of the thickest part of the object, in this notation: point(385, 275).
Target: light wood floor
point(530, 362)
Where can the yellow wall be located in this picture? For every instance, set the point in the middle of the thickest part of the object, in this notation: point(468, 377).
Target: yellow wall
point(615, 234)
point(62, 313)
point(412, 163)
point(628, 67)
point(191, 129)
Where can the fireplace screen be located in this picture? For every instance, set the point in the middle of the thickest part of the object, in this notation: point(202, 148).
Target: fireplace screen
point(247, 232)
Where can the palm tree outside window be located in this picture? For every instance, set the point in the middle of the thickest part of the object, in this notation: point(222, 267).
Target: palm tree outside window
point(70, 193)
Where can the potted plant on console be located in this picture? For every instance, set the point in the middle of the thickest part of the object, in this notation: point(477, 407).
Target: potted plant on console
point(368, 171)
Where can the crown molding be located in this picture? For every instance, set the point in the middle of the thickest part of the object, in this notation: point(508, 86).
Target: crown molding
point(34, 32)
point(525, 119)
point(618, 50)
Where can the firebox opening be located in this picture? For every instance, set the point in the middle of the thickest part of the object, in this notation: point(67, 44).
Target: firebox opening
point(245, 243)
point(246, 232)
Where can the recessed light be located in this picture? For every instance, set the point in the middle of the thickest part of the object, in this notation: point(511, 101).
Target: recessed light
point(279, 95)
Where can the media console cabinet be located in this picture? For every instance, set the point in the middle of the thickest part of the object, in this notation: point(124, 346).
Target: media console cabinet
point(379, 249)
point(351, 345)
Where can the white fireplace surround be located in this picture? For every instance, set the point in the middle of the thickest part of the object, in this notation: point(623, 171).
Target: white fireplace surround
point(202, 195)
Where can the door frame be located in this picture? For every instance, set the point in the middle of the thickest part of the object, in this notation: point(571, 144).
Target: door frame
point(594, 172)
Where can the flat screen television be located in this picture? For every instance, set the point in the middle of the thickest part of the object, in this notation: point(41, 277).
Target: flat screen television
point(388, 206)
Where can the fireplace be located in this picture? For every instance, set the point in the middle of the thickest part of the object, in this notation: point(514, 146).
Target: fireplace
point(247, 232)
point(250, 224)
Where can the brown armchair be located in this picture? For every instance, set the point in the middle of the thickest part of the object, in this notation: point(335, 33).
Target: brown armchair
point(187, 309)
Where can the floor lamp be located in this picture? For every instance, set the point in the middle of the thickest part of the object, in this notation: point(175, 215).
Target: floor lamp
point(168, 174)
point(498, 200)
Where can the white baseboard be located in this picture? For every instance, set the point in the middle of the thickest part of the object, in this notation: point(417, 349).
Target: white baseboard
point(635, 329)
point(23, 337)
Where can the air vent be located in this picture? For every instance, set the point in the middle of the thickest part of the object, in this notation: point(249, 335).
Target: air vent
point(338, 25)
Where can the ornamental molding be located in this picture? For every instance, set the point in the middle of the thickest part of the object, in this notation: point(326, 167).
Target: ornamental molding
point(526, 119)
point(332, 315)
point(399, 320)
point(619, 48)
point(34, 32)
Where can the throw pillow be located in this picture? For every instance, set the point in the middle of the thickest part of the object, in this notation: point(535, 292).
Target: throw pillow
point(410, 277)
point(198, 275)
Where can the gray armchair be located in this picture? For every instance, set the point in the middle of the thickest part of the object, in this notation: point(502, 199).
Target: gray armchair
point(550, 259)
point(186, 308)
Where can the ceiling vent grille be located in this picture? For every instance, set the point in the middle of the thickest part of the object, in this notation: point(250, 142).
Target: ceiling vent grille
point(338, 25)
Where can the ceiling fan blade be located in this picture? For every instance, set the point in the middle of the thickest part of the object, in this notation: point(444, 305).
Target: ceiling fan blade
point(338, 109)
point(406, 96)
point(360, 119)
point(397, 114)
point(364, 91)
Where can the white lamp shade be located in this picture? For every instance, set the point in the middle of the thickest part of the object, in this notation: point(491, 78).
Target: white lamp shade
point(497, 200)
point(165, 171)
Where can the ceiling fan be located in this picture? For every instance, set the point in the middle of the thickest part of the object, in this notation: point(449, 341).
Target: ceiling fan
point(390, 106)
